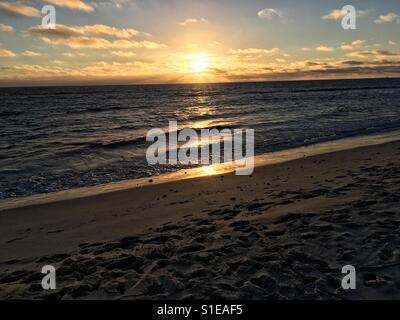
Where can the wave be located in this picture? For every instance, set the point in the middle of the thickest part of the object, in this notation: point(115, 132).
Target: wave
point(120, 143)
point(97, 109)
point(344, 89)
point(8, 113)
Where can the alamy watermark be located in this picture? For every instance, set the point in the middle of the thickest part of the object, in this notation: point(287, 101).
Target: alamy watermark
point(49, 18)
point(182, 147)
point(49, 280)
point(349, 280)
point(349, 20)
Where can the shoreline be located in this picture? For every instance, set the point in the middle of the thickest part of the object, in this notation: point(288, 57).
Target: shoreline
point(193, 173)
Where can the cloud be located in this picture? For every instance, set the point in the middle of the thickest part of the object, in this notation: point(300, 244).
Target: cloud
point(6, 53)
point(100, 72)
point(101, 43)
point(73, 55)
point(124, 54)
point(352, 63)
point(378, 54)
point(251, 51)
point(60, 31)
point(6, 28)
point(72, 31)
point(72, 4)
point(79, 42)
point(28, 53)
point(191, 21)
point(18, 9)
point(392, 43)
point(324, 49)
point(317, 70)
point(269, 13)
point(390, 17)
point(137, 44)
point(353, 45)
point(57, 61)
point(305, 49)
point(81, 37)
point(337, 14)
point(104, 3)
point(112, 31)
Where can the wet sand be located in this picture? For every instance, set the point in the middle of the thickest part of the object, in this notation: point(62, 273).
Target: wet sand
point(283, 233)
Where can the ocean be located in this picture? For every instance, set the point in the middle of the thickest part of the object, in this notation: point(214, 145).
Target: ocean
point(56, 138)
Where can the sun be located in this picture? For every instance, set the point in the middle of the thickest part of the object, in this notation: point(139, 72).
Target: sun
point(198, 66)
point(198, 63)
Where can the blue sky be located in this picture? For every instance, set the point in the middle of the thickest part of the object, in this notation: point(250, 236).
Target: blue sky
point(153, 41)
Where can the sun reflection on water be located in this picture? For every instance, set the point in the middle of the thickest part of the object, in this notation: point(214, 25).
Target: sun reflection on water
point(208, 170)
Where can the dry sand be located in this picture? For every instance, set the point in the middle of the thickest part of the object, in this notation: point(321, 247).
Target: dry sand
point(283, 233)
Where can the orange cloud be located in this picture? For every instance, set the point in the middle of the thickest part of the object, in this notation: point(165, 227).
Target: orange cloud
point(378, 54)
point(6, 28)
point(338, 14)
point(353, 45)
point(98, 29)
point(250, 51)
point(101, 43)
point(390, 17)
point(6, 53)
point(18, 9)
point(28, 53)
point(124, 54)
point(80, 37)
point(190, 21)
point(324, 49)
point(107, 30)
point(72, 4)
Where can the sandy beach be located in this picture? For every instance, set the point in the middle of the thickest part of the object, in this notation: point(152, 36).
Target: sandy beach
point(283, 233)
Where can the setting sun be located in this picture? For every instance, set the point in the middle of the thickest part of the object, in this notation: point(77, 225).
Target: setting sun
point(199, 63)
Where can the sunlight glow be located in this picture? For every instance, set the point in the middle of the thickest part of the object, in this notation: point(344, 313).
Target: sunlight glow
point(208, 170)
point(198, 63)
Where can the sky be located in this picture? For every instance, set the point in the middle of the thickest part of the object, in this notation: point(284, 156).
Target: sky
point(188, 41)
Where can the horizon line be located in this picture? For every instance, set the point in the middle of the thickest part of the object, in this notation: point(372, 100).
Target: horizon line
point(190, 83)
